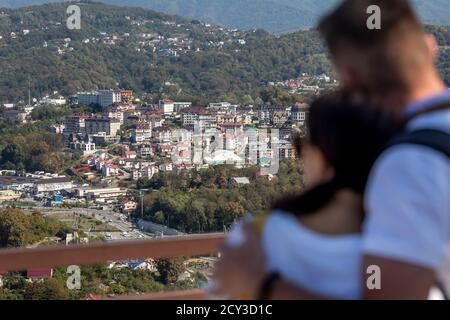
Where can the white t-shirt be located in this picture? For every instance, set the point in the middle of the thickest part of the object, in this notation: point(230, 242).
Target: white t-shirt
point(408, 201)
point(326, 265)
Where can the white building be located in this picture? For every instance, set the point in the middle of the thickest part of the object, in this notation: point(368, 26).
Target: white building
point(53, 184)
point(86, 147)
point(167, 106)
point(141, 133)
point(60, 101)
point(104, 98)
point(299, 113)
point(178, 106)
point(109, 170)
point(224, 107)
point(109, 97)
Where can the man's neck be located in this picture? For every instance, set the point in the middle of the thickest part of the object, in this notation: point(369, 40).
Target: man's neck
point(425, 88)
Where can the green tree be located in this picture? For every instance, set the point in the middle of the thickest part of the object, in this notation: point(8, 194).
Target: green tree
point(14, 228)
point(49, 289)
point(169, 269)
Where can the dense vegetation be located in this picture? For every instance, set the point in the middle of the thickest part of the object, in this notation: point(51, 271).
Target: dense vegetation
point(34, 151)
point(204, 201)
point(276, 16)
point(229, 71)
point(18, 229)
point(213, 72)
point(99, 280)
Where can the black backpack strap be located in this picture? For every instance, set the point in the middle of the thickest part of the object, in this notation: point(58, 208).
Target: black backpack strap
point(435, 139)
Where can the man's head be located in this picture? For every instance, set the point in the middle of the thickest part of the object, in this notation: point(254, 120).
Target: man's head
point(386, 63)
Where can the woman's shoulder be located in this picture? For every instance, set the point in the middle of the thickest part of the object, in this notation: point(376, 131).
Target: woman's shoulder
point(280, 225)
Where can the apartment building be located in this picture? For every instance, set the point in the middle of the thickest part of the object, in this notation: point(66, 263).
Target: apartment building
point(162, 134)
point(109, 97)
point(271, 113)
point(126, 96)
point(142, 133)
point(88, 98)
point(222, 107)
point(104, 98)
point(299, 113)
point(189, 116)
point(94, 125)
point(167, 106)
point(75, 124)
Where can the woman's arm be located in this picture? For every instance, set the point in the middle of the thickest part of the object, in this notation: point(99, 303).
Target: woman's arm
point(241, 272)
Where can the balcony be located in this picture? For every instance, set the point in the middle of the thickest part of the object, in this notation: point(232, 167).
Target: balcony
point(60, 256)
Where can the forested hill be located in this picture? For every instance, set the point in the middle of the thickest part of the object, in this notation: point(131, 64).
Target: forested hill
point(142, 50)
point(147, 51)
point(276, 16)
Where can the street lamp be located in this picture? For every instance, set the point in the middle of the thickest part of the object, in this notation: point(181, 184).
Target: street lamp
point(141, 195)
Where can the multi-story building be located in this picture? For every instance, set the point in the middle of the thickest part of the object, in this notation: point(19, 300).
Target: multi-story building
point(155, 120)
point(75, 124)
point(104, 98)
point(189, 116)
point(126, 96)
point(287, 152)
point(266, 114)
point(225, 118)
point(88, 98)
point(167, 106)
point(150, 170)
point(109, 97)
point(142, 133)
point(115, 113)
point(109, 170)
point(162, 134)
point(145, 150)
point(94, 125)
point(279, 117)
point(299, 113)
point(222, 107)
point(178, 106)
point(233, 136)
point(86, 147)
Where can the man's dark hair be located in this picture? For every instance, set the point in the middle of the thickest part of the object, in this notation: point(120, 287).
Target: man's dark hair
point(381, 56)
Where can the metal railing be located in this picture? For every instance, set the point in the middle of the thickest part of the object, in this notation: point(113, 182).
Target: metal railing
point(18, 259)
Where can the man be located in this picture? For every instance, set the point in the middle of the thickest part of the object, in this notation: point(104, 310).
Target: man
point(407, 228)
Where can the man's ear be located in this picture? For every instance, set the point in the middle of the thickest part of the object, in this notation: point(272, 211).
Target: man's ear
point(432, 46)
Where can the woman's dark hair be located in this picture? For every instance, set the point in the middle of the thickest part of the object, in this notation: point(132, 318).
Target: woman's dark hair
point(351, 135)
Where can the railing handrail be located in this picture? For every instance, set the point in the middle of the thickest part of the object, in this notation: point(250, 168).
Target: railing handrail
point(18, 259)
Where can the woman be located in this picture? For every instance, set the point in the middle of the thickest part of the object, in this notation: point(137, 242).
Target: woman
point(313, 239)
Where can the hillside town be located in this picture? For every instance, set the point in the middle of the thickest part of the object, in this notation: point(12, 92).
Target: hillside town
point(128, 140)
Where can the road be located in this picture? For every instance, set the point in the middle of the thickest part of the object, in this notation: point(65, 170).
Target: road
point(127, 230)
